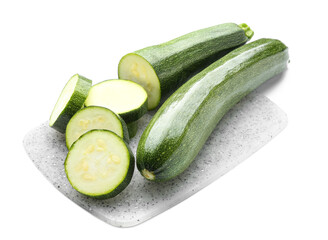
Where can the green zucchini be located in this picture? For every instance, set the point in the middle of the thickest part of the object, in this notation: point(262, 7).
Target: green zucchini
point(181, 126)
point(94, 117)
point(132, 128)
point(164, 67)
point(99, 164)
point(69, 102)
point(126, 98)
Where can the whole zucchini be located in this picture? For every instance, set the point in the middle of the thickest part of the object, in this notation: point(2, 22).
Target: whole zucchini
point(164, 67)
point(181, 126)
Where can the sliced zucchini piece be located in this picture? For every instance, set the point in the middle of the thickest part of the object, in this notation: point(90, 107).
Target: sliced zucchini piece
point(124, 97)
point(99, 164)
point(132, 128)
point(69, 102)
point(94, 117)
point(136, 68)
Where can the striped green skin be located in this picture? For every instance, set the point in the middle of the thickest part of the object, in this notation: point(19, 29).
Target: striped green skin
point(177, 60)
point(122, 185)
point(181, 126)
point(75, 103)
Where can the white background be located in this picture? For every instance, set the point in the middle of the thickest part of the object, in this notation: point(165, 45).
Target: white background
point(279, 193)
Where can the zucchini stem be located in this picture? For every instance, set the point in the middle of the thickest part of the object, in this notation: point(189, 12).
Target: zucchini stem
point(248, 31)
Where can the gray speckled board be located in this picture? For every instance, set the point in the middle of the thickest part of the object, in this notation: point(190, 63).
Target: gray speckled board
point(246, 128)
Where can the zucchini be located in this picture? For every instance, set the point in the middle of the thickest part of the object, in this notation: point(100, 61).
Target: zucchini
point(164, 67)
point(69, 102)
point(94, 117)
point(126, 98)
point(99, 164)
point(181, 126)
point(132, 128)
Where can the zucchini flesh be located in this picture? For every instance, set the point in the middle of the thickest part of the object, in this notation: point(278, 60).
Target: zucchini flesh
point(126, 98)
point(164, 67)
point(99, 164)
point(69, 102)
point(94, 117)
point(181, 126)
point(136, 68)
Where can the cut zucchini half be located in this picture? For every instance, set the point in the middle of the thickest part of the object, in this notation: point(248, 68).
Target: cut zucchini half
point(126, 98)
point(161, 69)
point(132, 128)
point(69, 102)
point(94, 117)
point(99, 164)
point(136, 68)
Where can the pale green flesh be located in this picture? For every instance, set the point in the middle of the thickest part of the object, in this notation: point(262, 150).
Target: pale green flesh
point(120, 96)
point(63, 99)
point(92, 118)
point(135, 68)
point(97, 163)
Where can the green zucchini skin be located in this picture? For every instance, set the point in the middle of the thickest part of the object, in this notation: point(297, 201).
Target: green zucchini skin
point(176, 60)
point(182, 125)
point(126, 135)
point(132, 128)
point(136, 114)
point(75, 103)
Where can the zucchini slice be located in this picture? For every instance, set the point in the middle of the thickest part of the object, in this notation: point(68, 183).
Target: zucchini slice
point(69, 102)
point(162, 68)
point(132, 128)
point(99, 164)
point(126, 98)
point(94, 117)
point(136, 68)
